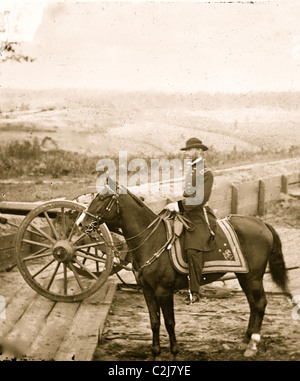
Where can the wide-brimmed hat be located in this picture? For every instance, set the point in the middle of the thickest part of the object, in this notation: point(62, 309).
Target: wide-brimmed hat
point(194, 143)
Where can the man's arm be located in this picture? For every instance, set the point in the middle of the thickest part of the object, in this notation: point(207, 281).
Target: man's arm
point(183, 206)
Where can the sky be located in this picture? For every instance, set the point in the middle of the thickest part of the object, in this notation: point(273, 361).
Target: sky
point(163, 46)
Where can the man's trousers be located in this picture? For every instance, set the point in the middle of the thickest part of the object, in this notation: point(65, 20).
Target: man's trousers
point(195, 263)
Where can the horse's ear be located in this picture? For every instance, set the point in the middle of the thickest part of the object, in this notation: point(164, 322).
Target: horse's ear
point(111, 184)
point(108, 179)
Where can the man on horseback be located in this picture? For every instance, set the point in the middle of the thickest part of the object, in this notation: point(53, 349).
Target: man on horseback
point(198, 181)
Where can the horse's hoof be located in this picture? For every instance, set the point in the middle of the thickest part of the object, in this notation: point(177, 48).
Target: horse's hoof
point(250, 352)
point(175, 353)
point(174, 350)
point(252, 346)
point(155, 352)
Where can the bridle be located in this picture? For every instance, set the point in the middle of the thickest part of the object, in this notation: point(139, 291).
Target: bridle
point(94, 225)
point(98, 220)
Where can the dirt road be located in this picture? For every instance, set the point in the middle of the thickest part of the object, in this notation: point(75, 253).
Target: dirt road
point(209, 331)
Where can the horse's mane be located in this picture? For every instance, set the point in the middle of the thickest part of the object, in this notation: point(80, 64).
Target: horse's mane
point(139, 200)
point(134, 196)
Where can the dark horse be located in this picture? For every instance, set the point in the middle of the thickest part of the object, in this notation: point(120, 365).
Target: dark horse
point(145, 235)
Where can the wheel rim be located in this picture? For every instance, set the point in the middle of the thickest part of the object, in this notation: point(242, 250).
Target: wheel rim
point(56, 259)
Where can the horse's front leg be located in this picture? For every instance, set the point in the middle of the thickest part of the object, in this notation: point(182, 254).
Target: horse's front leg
point(154, 314)
point(166, 301)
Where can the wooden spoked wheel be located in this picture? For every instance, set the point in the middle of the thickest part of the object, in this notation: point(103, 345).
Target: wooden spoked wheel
point(84, 196)
point(56, 259)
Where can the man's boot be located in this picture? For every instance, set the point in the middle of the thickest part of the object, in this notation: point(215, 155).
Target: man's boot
point(194, 297)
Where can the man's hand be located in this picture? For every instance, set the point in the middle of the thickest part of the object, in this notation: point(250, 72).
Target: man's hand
point(172, 207)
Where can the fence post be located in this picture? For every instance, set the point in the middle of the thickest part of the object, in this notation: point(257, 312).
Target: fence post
point(261, 198)
point(284, 184)
point(234, 199)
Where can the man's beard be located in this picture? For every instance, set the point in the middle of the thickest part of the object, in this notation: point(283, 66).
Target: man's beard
point(194, 157)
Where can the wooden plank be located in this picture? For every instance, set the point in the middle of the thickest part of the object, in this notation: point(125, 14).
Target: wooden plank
point(261, 198)
point(284, 184)
point(7, 259)
point(20, 208)
point(81, 340)
point(7, 241)
point(23, 333)
point(51, 335)
point(248, 193)
point(31, 321)
point(273, 187)
point(234, 199)
point(293, 178)
point(221, 197)
point(7, 251)
point(17, 302)
point(221, 208)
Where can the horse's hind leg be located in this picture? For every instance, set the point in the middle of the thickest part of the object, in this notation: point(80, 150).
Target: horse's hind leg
point(256, 296)
point(154, 313)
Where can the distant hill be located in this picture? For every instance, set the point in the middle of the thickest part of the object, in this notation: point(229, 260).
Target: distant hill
point(149, 123)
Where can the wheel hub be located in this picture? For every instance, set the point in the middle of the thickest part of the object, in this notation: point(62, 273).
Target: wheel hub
point(63, 251)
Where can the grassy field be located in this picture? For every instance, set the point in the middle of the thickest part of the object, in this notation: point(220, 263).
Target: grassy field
point(65, 132)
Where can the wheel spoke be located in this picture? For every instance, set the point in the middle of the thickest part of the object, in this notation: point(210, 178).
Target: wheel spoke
point(51, 225)
point(37, 252)
point(92, 258)
point(85, 268)
point(87, 253)
point(63, 221)
point(85, 246)
point(43, 268)
point(34, 232)
point(45, 235)
point(36, 243)
point(72, 232)
point(76, 276)
point(65, 280)
point(31, 257)
point(53, 275)
point(79, 238)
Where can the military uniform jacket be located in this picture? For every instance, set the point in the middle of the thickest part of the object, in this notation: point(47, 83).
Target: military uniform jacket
point(200, 238)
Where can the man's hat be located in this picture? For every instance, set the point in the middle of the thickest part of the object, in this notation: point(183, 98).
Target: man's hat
point(194, 143)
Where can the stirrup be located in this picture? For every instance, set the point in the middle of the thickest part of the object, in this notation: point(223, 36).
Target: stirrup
point(194, 299)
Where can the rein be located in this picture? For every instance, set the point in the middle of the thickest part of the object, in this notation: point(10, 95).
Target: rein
point(94, 226)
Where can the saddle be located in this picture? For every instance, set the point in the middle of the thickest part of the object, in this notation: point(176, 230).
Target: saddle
point(225, 256)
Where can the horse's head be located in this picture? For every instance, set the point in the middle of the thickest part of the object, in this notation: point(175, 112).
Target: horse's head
point(107, 208)
point(104, 208)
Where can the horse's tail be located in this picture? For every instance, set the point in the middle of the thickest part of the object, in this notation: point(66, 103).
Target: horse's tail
point(277, 264)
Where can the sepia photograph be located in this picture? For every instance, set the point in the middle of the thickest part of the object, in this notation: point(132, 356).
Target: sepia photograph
point(149, 183)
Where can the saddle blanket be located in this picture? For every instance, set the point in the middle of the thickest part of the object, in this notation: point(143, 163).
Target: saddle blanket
point(226, 256)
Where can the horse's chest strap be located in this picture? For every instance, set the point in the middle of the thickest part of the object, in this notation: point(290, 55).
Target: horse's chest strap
point(156, 255)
